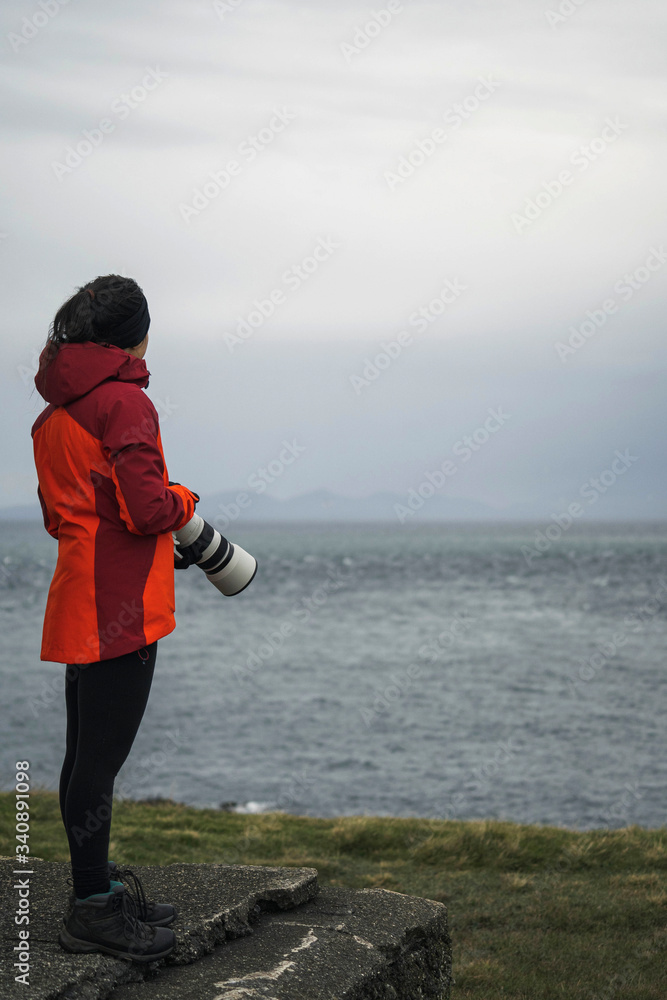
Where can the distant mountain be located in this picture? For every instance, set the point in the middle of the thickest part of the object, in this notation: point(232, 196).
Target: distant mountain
point(319, 505)
point(323, 505)
point(223, 509)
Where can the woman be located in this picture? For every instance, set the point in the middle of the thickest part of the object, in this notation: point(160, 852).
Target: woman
point(106, 497)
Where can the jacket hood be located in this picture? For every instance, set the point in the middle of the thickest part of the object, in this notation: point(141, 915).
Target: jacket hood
point(78, 368)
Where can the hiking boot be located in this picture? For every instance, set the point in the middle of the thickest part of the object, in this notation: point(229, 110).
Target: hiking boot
point(155, 914)
point(107, 922)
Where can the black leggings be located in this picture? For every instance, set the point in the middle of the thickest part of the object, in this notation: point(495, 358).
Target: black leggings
point(105, 705)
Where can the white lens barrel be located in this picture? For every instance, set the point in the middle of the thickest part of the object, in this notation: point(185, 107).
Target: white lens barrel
point(237, 574)
point(190, 532)
point(239, 566)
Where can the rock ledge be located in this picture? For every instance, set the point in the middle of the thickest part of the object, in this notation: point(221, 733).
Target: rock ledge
point(243, 933)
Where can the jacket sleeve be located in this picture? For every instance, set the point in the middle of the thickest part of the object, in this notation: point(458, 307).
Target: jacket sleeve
point(131, 440)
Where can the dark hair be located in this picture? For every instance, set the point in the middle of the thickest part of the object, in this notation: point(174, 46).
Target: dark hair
point(91, 317)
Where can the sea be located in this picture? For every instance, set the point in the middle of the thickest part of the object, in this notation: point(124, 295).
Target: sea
point(510, 671)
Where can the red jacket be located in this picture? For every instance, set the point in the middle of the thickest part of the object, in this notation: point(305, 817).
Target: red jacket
point(103, 487)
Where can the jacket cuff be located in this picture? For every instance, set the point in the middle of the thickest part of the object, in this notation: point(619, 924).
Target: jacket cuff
point(189, 499)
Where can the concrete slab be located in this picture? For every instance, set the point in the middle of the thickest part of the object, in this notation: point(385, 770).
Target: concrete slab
point(215, 903)
point(344, 944)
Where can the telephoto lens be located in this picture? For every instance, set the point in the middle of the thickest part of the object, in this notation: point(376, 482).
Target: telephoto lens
point(229, 567)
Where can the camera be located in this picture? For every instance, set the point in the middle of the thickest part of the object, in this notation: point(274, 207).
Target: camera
point(229, 567)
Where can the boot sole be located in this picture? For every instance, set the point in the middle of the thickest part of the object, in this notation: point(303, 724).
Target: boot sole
point(152, 923)
point(161, 923)
point(79, 946)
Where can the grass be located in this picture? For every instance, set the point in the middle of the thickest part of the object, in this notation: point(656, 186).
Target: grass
point(535, 912)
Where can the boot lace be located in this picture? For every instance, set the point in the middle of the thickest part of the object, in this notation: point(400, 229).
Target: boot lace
point(138, 902)
point(133, 928)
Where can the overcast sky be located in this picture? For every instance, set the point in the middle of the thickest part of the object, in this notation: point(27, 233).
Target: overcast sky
point(500, 166)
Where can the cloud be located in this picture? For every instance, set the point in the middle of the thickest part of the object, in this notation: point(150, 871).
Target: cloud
point(356, 121)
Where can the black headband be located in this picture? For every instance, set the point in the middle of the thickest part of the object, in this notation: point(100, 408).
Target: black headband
point(131, 331)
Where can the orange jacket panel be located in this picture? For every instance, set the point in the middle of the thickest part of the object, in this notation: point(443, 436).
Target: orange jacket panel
point(105, 495)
